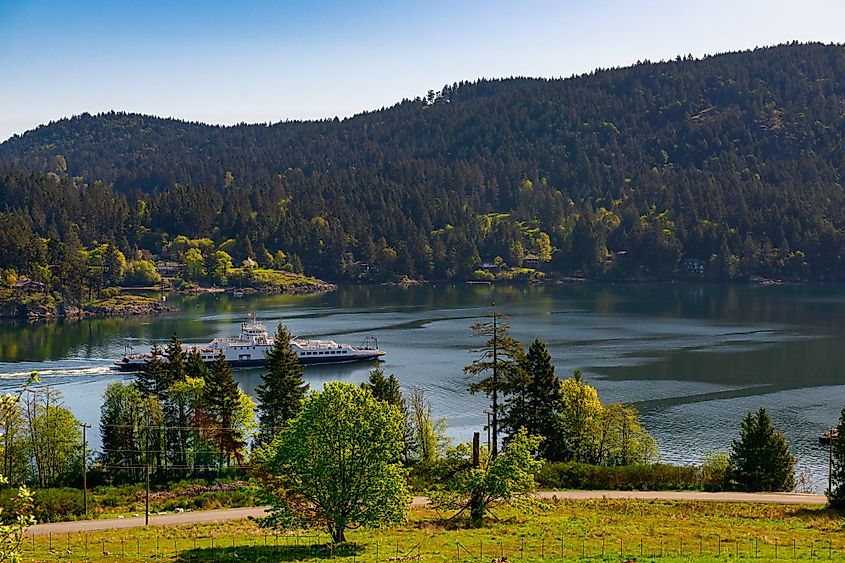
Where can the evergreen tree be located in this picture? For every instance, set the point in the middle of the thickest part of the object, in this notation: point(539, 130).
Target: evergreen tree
point(221, 397)
point(282, 389)
point(175, 407)
point(386, 388)
point(175, 361)
point(501, 358)
point(153, 376)
point(195, 365)
point(760, 457)
point(121, 415)
point(534, 402)
point(836, 494)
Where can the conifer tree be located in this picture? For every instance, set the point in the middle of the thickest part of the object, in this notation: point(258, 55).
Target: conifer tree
point(500, 360)
point(282, 389)
point(384, 388)
point(152, 378)
point(195, 365)
point(534, 402)
point(175, 361)
point(221, 396)
point(760, 457)
point(836, 494)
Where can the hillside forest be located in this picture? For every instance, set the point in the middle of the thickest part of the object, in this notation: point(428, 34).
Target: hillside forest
point(728, 167)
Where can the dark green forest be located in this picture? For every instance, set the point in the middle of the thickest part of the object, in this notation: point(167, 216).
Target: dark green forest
point(736, 161)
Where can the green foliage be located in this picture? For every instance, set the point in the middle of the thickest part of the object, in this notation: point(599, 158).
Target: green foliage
point(141, 272)
point(337, 464)
point(54, 437)
point(500, 362)
point(651, 477)
point(225, 403)
point(195, 265)
point(534, 400)
point(581, 415)
point(760, 457)
point(715, 471)
point(282, 388)
point(663, 161)
point(507, 478)
point(425, 436)
point(836, 494)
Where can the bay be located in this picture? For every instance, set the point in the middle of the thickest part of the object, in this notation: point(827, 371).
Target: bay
point(692, 358)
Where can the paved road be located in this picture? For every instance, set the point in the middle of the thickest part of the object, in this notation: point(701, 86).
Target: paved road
point(256, 512)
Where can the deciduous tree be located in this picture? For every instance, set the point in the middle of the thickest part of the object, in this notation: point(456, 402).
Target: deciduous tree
point(337, 465)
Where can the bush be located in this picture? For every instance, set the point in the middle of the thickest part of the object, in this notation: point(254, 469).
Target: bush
point(715, 471)
point(109, 292)
point(50, 505)
point(654, 477)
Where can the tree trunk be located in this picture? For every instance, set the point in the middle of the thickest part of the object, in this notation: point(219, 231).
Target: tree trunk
point(338, 533)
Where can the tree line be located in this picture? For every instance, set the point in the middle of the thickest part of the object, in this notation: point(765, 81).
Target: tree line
point(726, 167)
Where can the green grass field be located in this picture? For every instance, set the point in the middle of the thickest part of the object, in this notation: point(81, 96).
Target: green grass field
point(606, 530)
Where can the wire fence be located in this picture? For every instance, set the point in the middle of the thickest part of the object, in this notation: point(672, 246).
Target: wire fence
point(126, 545)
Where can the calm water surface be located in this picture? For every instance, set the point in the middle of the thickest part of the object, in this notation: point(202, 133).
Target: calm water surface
point(692, 358)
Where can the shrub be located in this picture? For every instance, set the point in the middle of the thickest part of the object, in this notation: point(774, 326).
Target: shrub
point(715, 471)
point(50, 505)
point(653, 477)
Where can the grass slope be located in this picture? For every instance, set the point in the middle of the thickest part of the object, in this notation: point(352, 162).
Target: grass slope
point(565, 531)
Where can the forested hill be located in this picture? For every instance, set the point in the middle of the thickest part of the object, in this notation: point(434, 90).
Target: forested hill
point(736, 160)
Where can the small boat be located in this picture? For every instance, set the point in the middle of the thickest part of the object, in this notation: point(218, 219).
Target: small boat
point(249, 349)
point(828, 436)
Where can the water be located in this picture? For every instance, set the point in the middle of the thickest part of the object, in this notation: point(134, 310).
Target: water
point(692, 358)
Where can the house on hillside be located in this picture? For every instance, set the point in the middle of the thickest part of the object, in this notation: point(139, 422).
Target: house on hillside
point(693, 266)
point(532, 261)
point(170, 269)
point(491, 267)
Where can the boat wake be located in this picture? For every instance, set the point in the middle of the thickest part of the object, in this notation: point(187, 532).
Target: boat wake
point(58, 372)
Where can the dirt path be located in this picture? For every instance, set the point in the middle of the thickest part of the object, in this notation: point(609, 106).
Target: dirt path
point(257, 512)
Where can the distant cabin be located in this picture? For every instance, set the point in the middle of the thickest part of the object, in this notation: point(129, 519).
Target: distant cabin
point(491, 267)
point(29, 285)
point(532, 261)
point(170, 269)
point(693, 266)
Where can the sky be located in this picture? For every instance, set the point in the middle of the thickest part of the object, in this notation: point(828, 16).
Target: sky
point(231, 61)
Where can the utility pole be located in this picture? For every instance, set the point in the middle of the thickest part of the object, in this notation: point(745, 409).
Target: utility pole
point(85, 427)
point(488, 429)
point(494, 451)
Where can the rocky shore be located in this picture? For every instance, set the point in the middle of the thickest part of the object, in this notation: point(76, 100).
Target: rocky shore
point(46, 307)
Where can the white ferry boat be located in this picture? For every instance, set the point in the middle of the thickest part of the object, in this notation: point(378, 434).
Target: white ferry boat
point(250, 348)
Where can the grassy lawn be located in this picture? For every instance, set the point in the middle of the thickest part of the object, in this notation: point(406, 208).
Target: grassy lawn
point(565, 531)
point(261, 276)
point(122, 300)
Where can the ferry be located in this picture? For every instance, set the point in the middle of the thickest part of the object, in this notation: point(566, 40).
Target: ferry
point(249, 349)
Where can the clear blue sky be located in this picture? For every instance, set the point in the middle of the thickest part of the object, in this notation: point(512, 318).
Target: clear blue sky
point(258, 61)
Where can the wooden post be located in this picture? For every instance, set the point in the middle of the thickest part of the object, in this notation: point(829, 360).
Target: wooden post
point(476, 509)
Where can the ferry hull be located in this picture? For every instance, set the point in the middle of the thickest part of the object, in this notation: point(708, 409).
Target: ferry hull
point(257, 363)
